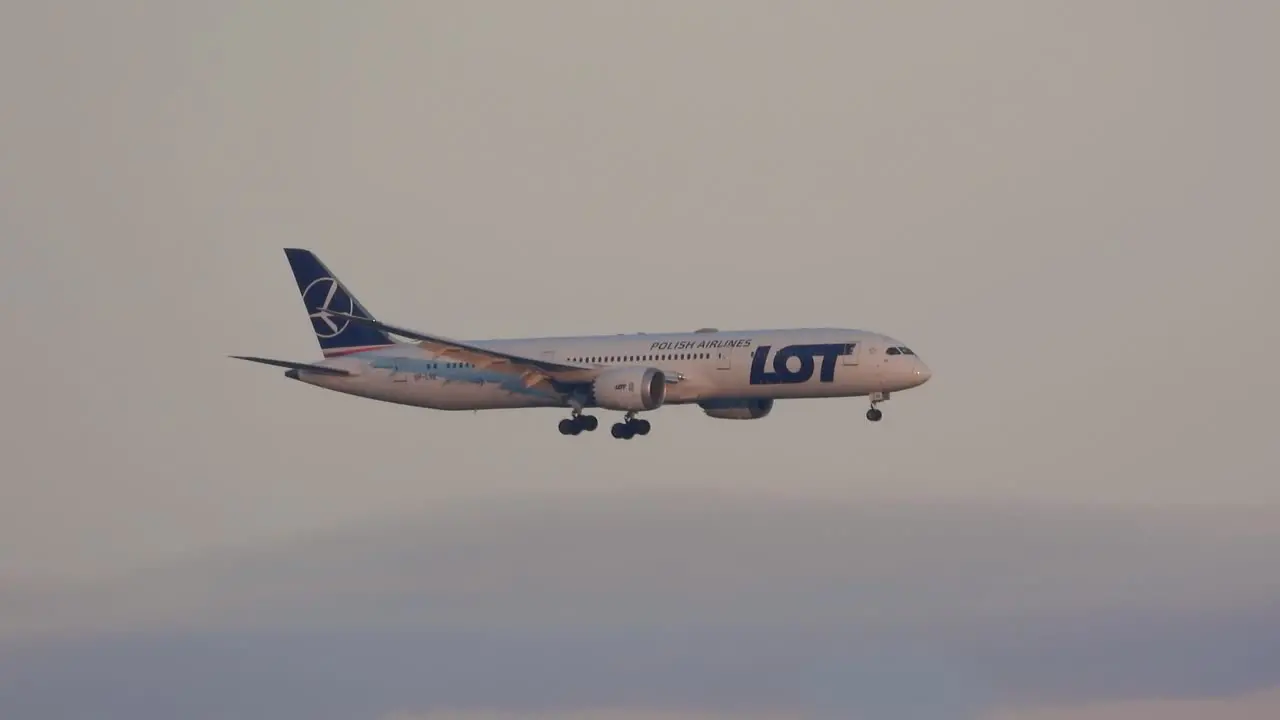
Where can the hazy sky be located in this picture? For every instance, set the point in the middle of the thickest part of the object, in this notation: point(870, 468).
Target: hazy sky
point(1068, 209)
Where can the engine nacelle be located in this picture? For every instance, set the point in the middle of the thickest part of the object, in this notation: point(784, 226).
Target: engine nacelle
point(632, 389)
point(746, 409)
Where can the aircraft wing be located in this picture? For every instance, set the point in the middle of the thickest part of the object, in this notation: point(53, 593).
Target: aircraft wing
point(533, 369)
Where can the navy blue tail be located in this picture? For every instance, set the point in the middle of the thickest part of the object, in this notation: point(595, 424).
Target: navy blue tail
point(321, 292)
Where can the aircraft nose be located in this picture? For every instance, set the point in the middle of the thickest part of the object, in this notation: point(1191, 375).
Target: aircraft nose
point(923, 373)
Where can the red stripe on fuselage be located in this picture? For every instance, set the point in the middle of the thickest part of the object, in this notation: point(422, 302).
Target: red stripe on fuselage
point(339, 352)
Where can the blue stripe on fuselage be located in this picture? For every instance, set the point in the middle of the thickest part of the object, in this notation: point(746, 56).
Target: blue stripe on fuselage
point(433, 369)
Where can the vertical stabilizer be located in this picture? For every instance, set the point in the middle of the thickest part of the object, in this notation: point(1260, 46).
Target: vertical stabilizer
point(322, 292)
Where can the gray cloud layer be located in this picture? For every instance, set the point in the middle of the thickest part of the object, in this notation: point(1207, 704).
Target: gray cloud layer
point(717, 603)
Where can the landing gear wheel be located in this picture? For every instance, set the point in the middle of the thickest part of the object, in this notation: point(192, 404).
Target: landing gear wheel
point(874, 415)
point(623, 431)
point(578, 423)
point(640, 427)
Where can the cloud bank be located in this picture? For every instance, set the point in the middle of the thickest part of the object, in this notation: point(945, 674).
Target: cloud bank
point(728, 605)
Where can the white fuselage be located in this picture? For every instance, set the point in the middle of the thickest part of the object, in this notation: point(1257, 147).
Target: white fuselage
point(702, 366)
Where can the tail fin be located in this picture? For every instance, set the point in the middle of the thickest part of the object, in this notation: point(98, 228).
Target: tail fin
point(321, 292)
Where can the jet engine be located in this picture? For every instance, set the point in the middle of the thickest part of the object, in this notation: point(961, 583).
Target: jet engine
point(631, 389)
point(745, 409)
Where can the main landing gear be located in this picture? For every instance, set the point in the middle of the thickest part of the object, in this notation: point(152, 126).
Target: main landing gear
point(874, 414)
point(578, 423)
point(630, 427)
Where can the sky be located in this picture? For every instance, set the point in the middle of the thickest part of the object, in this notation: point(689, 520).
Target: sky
point(1067, 209)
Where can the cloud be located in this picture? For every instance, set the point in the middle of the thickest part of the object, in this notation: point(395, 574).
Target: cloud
point(700, 559)
point(1264, 705)
point(591, 714)
point(736, 606)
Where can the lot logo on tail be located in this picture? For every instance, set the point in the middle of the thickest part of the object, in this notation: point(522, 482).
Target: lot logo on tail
point(782, 374)
point(323, 297)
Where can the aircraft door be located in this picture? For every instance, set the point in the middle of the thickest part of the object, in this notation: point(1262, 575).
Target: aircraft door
point(851, 351)
point(724, 359)
point(398, 374)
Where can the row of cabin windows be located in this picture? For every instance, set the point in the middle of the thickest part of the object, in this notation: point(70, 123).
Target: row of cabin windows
point(640, 358)
point(600, 359)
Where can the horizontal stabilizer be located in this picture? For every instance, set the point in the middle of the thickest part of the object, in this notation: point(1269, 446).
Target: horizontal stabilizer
point(304, 367)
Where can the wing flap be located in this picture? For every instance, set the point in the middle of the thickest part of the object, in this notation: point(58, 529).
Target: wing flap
point(481, 357)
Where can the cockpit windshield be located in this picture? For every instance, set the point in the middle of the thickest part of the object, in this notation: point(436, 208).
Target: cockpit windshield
point(899, 351)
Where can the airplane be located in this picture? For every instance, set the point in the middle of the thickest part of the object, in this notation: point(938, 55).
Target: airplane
point(733, 375)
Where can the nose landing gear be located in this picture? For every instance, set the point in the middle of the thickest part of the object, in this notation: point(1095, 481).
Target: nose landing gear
point(874, 414)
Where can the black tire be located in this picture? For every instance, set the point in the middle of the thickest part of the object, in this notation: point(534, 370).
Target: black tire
point(641, 427)
point(588, 422)
point(874, 415)
point(622, 431)
point(569, 427)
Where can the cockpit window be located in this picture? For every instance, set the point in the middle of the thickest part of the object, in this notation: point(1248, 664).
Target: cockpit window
point(892, 351)
point(907, 351)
